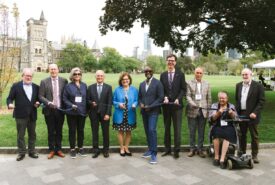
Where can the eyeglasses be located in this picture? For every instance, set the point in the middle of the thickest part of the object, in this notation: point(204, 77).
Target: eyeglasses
point(171, 60)
point(77, 74)
point(125, 79)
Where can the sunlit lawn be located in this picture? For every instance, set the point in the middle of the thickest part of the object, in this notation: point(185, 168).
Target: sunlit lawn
point(266, 127)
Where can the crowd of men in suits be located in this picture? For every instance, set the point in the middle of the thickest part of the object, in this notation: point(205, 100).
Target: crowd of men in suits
point(167, 93)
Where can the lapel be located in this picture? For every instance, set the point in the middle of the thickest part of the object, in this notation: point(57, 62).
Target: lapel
point(175, 78)
point(33, 93)
point(49, 83)
point(150, 86)
point(95, 90)
point(250, 89)
point(60, 84)
point(22, 88)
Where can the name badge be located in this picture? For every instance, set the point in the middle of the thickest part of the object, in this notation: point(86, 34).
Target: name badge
point(78, 99)
point(223, 123)
point(198, 97)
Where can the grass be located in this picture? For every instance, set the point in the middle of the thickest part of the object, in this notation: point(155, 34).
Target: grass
point(266, 127)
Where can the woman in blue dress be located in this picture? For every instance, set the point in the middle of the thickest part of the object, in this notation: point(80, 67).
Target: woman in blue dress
point(125, 101)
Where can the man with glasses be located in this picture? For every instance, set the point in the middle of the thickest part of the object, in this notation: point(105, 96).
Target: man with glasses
point(250, 100)
point(174, 85)
point(99, 97)
point(199, 99)
point(50, 94)
point(25, 95)
point(150, 98)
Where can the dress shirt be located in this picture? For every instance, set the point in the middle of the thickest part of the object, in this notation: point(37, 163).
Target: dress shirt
point(57, 87)
point(147, 83)
point(245, 90)
point(28, 90)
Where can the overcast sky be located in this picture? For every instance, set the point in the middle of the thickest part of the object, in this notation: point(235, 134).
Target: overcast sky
point(79, 18)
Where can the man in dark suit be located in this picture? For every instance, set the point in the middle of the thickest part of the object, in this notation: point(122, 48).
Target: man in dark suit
point(250, 99)
point(25, 95)
point(174, 85)
point(50, 94)
point(99, 97)
point(150, 97)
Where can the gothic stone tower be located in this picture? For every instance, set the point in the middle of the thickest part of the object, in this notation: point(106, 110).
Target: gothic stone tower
point(37, 44)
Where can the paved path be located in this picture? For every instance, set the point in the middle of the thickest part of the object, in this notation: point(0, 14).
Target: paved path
point(131, 170)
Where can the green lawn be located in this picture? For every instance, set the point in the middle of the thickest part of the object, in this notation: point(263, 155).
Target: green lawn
point(266, 127)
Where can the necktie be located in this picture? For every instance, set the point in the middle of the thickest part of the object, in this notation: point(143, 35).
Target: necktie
point(55, 96)
point(99, 90)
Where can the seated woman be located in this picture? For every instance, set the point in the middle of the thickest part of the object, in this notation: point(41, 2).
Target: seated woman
point(221, 129)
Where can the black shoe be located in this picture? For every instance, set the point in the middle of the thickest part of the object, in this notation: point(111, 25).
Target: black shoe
point(96, 155)
point(222, 165)
point(106, 154)
point(122, 153)
point(20, 157)
point(216, 162)
point(33, 155)
point(176, 155)
point(166, 153)
point(128, 153)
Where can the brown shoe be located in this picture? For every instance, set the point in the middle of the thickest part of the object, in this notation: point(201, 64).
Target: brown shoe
point(201, 154)
point(51, 154)
point(60, 154)
point(255, 159)
point(191, 153)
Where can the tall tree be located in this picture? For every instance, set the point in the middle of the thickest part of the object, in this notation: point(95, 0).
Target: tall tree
point(75, 55)
point(131, 64)
point(111, 61)
point(9, 48)
point(156, 63)
point(208, 25)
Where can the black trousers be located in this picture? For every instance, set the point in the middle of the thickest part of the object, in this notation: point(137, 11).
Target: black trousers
point(55, 121)
point(254, 137)
point(76, 125)
point(96, 119)
point(22, 124)
point(171, 114)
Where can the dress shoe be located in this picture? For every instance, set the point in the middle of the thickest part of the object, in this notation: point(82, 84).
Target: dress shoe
point(20, 157)
point(33, 155)
point(191, 153)
point(201, 154)
point(222, 165)
point(106, 154)
point(59, 153)
point(176, 155)
point(95, 155)
point(255, 159)
point(216, 162)
point(50, 155)
point(166, 153)
point(128, 153)
point(122, 153)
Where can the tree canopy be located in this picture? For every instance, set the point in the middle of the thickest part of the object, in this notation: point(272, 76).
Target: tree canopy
point(208, 25)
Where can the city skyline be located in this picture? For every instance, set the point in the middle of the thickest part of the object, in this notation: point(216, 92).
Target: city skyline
point(82, 24)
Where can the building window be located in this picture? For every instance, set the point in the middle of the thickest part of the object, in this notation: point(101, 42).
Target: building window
point(36, 50)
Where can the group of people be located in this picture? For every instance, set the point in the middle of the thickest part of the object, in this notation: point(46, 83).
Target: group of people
point(75, 100)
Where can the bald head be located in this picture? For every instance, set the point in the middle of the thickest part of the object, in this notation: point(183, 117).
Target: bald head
point(99, 75)
point(198, 73)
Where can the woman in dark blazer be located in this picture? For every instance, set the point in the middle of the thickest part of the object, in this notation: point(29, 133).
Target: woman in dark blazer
point(74, 98)
point(125, 101)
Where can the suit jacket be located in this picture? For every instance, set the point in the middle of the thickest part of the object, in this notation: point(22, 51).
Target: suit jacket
point(152, 97)
point(46, 92)
point(255, 99)
point(24, 108)
point(104, 104)
point(205, 101)
point(178, 90)
point(119, 97)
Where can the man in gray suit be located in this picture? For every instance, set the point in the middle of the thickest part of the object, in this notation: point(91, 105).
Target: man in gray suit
point(150, 98)
point(198, 97)
point(50, 95)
